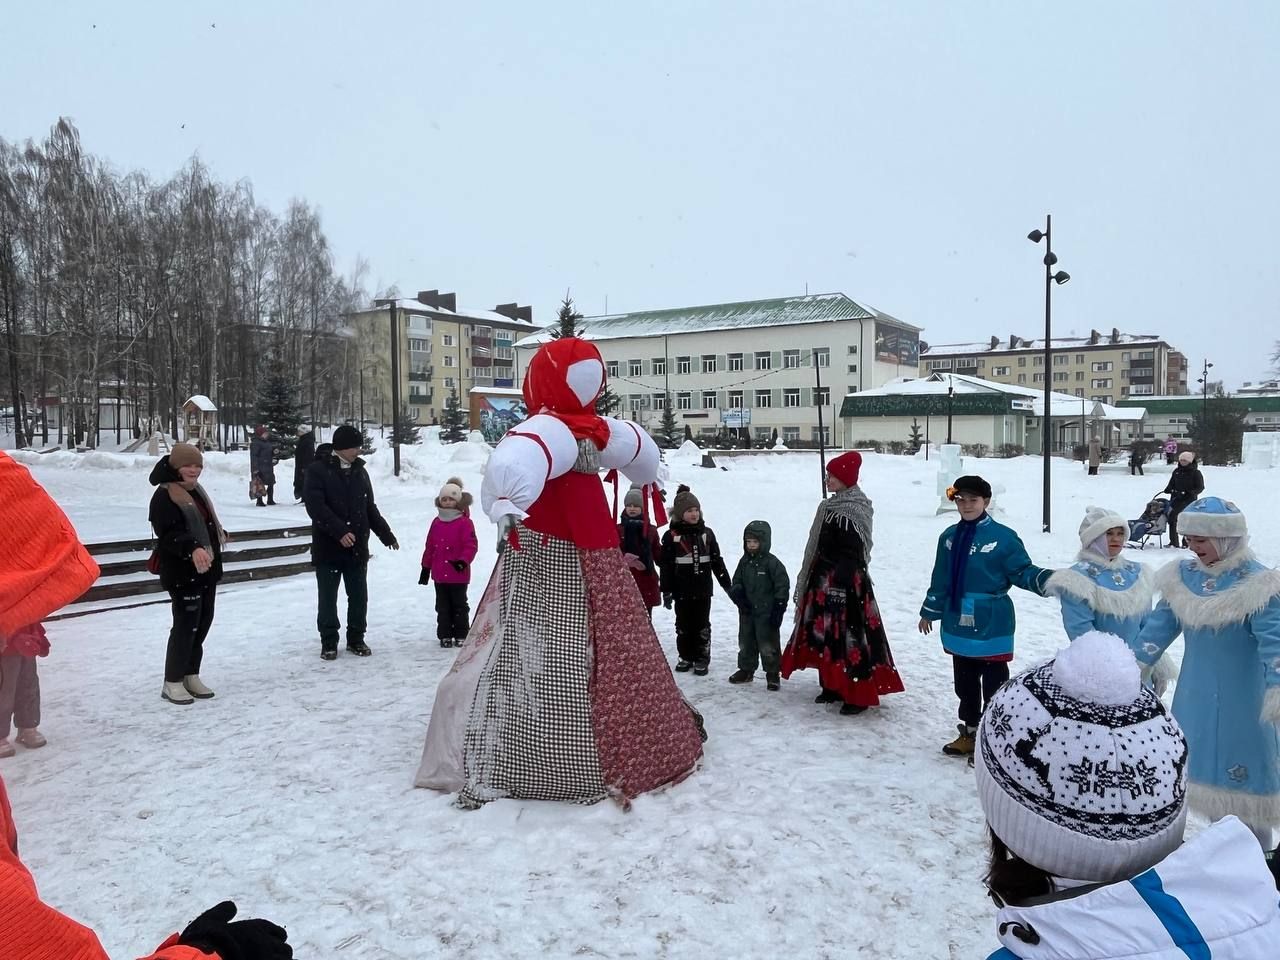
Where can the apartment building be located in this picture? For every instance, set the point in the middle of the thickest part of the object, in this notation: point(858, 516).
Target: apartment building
point(1100, 368)
point(443, 349)
point(1171, 416)
point(749, 365)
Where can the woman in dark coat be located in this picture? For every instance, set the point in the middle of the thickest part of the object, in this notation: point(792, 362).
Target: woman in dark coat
point(304, 452)
point(838, 628)
point(1185, 485)
point(262, 457)
point(189, 543)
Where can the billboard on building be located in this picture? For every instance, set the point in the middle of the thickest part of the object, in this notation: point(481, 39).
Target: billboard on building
point(493, 414)
point(896, 344)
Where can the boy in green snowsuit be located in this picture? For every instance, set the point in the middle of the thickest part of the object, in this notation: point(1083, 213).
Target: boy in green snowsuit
point(760, 589)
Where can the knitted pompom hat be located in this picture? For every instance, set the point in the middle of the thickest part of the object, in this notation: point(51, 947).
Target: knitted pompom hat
point(1098, 521)
point(1081, 771)
point(685, 500)
point(1212, 517)
point(452, 488)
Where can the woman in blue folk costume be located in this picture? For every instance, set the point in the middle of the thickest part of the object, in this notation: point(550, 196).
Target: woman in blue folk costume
point(977, 563)
point(1105, 591)
point(1226, 605)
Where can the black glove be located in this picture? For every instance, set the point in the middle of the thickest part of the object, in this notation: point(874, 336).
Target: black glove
point(666, 600)
point(458, 565)
point(424, 577)
point(777, 615)
point(213, 931)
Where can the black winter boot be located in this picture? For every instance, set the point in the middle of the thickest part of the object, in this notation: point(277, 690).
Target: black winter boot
point(772, 681)
point(742, 676)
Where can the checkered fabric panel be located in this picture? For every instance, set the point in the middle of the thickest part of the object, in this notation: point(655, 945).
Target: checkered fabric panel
point(530, 734)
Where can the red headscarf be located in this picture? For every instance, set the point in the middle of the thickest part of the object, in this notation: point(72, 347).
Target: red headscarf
point(564, 379)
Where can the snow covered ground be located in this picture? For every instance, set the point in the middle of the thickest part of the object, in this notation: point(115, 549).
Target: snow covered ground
point(804, 832)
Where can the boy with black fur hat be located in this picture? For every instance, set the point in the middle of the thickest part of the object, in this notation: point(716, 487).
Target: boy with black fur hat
point(978, 560)
point(690, 558)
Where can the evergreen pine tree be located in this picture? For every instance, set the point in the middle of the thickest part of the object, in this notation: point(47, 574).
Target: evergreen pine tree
point(607, 402)
point(1217, 432)
point(915, 439)
point(453, 427)
point(279, 408)
point(405, 428)
point(566, 320)
point(669, 431)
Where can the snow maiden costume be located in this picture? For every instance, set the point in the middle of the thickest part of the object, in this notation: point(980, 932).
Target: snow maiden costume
point(562, 691)
point(1082, 776)
point(1228, 697)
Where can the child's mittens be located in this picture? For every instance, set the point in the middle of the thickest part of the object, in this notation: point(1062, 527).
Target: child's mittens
point(634, 562)
point(424, 577)
point(458, 565)
point(777, 615)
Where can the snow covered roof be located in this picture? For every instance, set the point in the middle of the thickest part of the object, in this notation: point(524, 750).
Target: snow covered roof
point(1023, 344)
point(498, 391)
point(203, 403)
point(462, 313)
point(783, 311)
point(1030, 400)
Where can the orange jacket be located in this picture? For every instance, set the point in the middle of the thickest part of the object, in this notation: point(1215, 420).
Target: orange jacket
point(32, 930)
point(45, 565)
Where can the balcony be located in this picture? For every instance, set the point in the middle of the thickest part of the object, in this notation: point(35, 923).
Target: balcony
point(420, 399)
point(420, 376)
point(1142, 364)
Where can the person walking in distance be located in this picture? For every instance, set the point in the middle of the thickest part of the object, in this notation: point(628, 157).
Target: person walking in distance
point(304, 452)
point(339, 499)
point(189, 543)
point(262, 458)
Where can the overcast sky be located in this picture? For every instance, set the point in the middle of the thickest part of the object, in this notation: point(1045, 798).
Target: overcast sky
point(694, 152)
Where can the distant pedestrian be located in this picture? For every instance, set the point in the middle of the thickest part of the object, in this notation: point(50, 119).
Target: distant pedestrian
point(1170, 450)
point(304, 452)
point(1137, 457)
point(339, 498)
point(1095, 455)
point(1185, 485)
point(262, 459)
point(189, 543)
point(450, 550)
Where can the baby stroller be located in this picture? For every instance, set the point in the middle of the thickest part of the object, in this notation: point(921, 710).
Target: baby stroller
point(1153, 523)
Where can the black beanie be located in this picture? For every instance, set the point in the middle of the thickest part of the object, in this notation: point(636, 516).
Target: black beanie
point(973, 484)
point(347, 437)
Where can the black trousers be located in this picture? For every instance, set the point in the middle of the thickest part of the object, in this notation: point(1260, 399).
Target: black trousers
point(1136, 469)
point(1176, 508)
point(271, 494)
point(354, 576)
point(693, 629)
point(1093, 471)
point(192, 618)
point(976, 683)
point(453, 613)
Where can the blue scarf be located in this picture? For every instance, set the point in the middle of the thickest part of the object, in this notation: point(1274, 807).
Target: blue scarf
point(961, 545)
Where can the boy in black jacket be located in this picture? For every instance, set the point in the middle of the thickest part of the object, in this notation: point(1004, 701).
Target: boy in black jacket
point(690, 557)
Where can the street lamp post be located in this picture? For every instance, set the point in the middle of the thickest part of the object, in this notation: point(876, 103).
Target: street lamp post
point(1204, 392)
point(1046, 421)
point(390, 304)
point(951, 394)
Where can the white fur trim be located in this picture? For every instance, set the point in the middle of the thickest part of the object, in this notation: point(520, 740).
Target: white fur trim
point(1117, 603)
point(1256, 810)
point(1233, 605)
point(1212, 524)
point(1098, 668)
point(1162, 673)
point(1271, 705)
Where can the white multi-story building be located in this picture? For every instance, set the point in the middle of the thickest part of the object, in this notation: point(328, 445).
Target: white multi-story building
point(749, 365)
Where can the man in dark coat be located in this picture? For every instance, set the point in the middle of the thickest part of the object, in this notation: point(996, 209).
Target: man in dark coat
point(339, 498)
point(262, 459)
point(304, 452)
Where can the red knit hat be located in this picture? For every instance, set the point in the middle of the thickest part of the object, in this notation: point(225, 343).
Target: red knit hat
point(845, 468)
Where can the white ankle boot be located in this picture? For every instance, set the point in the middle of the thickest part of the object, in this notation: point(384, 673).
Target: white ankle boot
point(194, 687)
point(175, 693)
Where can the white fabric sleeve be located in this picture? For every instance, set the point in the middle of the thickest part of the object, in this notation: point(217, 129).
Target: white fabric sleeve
point(631, 451)
point(528, 455)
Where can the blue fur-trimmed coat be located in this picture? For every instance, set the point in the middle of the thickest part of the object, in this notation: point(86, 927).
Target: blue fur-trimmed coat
point(1111, 594)
point(1228, 697)
point(983, 625)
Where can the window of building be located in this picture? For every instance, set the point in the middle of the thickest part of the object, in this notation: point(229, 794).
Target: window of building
point(791, 397)
point(821, 396)
point(633, 402)
point(790, 359)
point(611, 368)
point(853, 348)
point(762, 433)
point(735, 399)
point(1124, 357)
point(1000, 371)
point(683, 365)
point(708, 363)
point(1022, 378)
point(418, 322)
point(684, 401)
point(449, 359)
point(659, 366)
point(659, 401)
point(1037, 378)
point(1061, 360)
point(764, 360)
point(735, 361)
point(1101, 366)
point(1142, 389)
point(790, 434)
point(708, 399)
point(1101, 383)
point(932, 365)
point(707, 433)
point(823, 356)
point(1038, 360)
point(1079, 374)
point(853, 368)
point(419, 346)
point(1022, 361)
point(447, 339)
point(1146, 355)
point(822, 433)
point(634, 368)
point(1079, 358)
point(1079, 393)
point(764, 398)
point(1060, 376)
point(448, 383)
point(483, 332)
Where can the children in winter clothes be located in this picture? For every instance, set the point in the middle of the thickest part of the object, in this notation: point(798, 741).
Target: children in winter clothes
point(1226, 605)
point(978, 561)
point(20, 688)
point(760, 589)
point(1082, 777)
point(690, 558)
point(450, 550)
point(641, 548)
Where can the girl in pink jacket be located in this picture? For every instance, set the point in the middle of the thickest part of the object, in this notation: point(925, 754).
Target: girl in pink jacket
point(451, 546)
